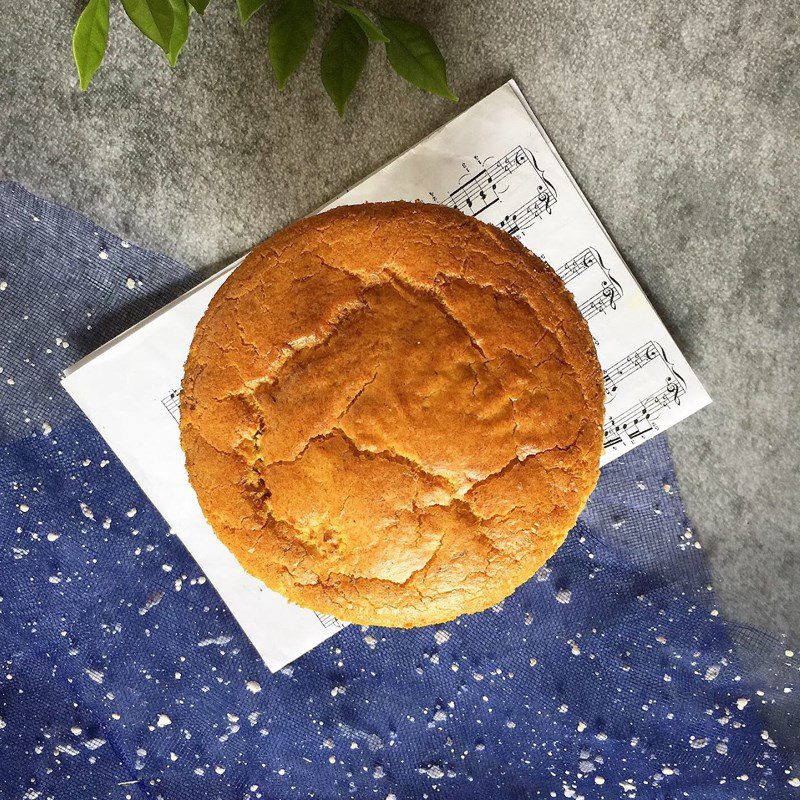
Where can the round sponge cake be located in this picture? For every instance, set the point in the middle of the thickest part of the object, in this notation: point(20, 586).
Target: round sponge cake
point(392, 413)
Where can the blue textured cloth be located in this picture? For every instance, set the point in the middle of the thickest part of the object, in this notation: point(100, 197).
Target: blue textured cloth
point(122, 675)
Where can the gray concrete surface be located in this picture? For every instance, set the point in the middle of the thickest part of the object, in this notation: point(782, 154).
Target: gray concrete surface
point(681, 122)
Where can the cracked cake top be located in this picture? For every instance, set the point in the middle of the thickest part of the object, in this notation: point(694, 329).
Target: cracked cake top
point(392, 413)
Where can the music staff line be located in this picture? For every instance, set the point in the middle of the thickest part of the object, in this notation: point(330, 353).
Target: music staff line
point(602, 301)
point(329, 621)
point(528, 213)
point(640, 419)
point(172, 403)
point(609, 290)
point(483, 190)
point(475, 189)
point(585, 260)
point(648, 353)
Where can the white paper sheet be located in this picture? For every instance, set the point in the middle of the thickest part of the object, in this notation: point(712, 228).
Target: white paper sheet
point(494, 162)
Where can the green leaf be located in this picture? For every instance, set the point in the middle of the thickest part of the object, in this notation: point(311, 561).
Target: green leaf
point(180, 32)
point(248, 7)
point(199, 5)
point(367, 25)
point(166, 22)
point(290, 36)
point(343, 59)
point(414, 56)
point(89, 40)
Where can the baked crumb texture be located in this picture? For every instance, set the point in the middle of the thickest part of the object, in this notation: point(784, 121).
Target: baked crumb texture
point(392, 413)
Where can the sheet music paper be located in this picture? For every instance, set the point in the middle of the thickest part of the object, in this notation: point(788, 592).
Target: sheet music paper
point(493, 162)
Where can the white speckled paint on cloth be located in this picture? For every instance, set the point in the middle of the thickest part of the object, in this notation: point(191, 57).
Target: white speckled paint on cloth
point(500, 706)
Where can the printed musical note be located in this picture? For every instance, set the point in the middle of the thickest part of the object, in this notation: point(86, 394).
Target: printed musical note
point(640, 419)
point(585, 260)
point(484, 189)
point(601, 302)
point(475, 196)
point(172, 402)
point(648, 364)
point(529, 213)
point(592, 285)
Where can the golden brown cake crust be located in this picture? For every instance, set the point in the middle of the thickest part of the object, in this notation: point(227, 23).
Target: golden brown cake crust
point(392, 413)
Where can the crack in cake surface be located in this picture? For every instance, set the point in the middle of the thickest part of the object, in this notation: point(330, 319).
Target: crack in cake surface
point(410, 454)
